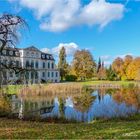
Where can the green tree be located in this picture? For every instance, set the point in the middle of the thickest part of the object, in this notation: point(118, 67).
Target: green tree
point(62, 64)
point(83, 64)
point(111, 75)
point(99, 65)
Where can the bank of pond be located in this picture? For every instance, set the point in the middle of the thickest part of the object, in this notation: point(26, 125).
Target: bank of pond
point(73, 103)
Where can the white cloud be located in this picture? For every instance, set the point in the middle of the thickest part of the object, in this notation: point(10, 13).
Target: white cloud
point(60, 15)
point(70, 49)
point(123, 55)
point(105, 57)
point(107, 63)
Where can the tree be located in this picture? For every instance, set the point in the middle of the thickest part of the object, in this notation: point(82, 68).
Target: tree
point(83, 64)
point(127, 60)
point(99, 65)
point(62, 64)
point(133, 69)
point(117, 66)
point(101, 71)
point(9, 25)
point(111, 75)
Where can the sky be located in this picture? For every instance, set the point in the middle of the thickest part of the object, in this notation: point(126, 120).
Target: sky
point(107, 28)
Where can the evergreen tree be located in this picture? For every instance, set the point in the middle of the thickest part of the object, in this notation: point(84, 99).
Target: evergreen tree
point(111, 75)
point(99, 65)
point(62, 64)
point(101, 71)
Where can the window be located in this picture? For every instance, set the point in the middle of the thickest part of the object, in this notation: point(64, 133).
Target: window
point(27, 63)
point(17, 53)
point(36, 75)
point(32, 54)
point(11, 52)
point(48, 74)
point(43, 56)
point(52, 74)
point(52, 65)
point(11, 74)
point(27, 75)
point(32, 75)
point(36, 64)
point(48, 65)
point(56, 74)
point(32, 64)
point(4, 52)
point(43, 74)
point(17, 63)
point(27, 54)
point(43, 64)
point(4, 62)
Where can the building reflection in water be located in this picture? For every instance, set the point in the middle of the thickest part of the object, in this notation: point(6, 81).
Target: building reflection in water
point(100, 104)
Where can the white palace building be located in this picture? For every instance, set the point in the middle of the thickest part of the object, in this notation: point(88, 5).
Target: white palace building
point(43, 64)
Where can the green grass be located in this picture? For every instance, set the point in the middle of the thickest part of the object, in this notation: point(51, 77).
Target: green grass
point(14, 89)
point(125, 83)
point(105, 129)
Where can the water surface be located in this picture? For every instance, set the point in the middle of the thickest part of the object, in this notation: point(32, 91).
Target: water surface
point(99, 103)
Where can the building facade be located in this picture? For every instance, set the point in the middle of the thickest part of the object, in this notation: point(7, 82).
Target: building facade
point(42, 64)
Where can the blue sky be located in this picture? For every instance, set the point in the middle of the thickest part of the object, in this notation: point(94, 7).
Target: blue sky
point(108, 28)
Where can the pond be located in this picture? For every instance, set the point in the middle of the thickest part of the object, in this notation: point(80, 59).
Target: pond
point(86, 107)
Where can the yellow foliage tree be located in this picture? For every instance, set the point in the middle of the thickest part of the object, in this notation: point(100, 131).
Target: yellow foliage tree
point(133, 69)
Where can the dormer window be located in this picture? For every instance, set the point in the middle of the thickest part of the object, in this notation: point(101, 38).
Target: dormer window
point(4, 52)
point(43, 56)
point(17, 53)
point(11, 52)
point(47, 56)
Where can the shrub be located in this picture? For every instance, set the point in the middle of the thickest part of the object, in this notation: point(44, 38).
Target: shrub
point(71, 78)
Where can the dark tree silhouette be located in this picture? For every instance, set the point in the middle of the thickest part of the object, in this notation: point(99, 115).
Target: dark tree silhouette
point(9, 37)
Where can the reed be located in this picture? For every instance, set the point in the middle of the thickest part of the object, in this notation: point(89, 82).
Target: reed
point(63, 89)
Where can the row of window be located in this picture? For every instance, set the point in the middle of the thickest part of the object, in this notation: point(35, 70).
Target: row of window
point(50, 74)
point(15, 63)
point(10, 53)
point(36, 64)
point(46, 56)
point(35, 75)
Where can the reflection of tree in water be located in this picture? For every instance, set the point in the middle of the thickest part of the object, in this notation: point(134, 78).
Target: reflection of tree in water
point(83, 103)
point(101, 93)
point(130, 96)
point(62, 102)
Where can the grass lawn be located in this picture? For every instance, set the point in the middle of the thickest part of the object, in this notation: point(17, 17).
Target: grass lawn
point(14, 89)
point(105, 129)
point(125, 83)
